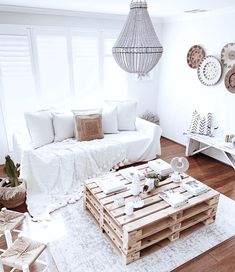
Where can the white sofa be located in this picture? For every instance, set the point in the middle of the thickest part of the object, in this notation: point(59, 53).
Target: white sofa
point(57, 169)
point(143, 144)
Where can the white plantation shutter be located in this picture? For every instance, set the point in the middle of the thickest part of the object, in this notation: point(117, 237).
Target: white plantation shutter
point(86, 69)
point(14, 56)
point(53, 68)
point(17, 83)
point(115, 79)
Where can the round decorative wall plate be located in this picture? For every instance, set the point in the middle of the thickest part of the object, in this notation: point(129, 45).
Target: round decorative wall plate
point(228, 55)
point(229, 80)
point(195, 55)
point(209, 71)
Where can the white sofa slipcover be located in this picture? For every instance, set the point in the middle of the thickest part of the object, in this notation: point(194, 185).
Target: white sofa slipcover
point(143, 144)
point(56, 170)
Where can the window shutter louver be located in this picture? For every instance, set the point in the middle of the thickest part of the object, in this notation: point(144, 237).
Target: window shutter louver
point(15, 56)
point(18, 90)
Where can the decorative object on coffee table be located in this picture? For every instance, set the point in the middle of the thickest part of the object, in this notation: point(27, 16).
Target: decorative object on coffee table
point(152, 181)
point(12, 188)
point(110, 184)
point(194, 187)
point(135, 186)
point(229, 80)
point(180, 165)
point(195, 55)
point(209, 71)
point(148, 185)
point(174, 198)
point(228, 55)
point(129, 208)
point(156, 223)
point(160, 166)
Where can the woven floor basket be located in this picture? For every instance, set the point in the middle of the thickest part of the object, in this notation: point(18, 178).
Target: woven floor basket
point(17, 200)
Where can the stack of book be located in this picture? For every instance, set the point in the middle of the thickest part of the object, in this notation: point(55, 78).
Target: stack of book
point(109, 183)
point(161, 167)
point(130, 172)
point(194, 187)
point(175, 199)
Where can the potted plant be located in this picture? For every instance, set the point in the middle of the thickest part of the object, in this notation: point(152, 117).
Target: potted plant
point(12, 188)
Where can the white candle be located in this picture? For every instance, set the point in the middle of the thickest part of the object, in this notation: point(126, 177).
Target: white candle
point(129, 208)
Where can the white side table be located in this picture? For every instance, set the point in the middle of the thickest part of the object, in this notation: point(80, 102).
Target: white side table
point(198, 143)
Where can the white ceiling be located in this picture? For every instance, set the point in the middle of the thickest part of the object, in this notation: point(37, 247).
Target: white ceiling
point(157, 8)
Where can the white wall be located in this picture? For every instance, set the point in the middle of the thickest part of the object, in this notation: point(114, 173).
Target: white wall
point(75, 19)
point(179, 90)
point(144, 91)
point(3, 139)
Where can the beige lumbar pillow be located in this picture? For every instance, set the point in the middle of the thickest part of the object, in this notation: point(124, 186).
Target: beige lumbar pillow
point(88, 126)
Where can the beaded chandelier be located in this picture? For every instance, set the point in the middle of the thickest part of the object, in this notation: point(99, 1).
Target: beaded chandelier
point(137, 49)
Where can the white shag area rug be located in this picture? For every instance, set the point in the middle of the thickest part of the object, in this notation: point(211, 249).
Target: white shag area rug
point(78, 245)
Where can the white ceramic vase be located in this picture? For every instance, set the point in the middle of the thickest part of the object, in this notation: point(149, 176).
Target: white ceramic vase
point(135, 187)
point(150, 183)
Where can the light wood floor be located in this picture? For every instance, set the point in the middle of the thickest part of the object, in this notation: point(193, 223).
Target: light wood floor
point(218, 176)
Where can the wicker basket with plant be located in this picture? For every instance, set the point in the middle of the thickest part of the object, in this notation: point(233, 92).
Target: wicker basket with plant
point(12, 188)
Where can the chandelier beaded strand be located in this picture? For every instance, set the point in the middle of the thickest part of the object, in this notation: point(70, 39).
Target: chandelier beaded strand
point(137, 49)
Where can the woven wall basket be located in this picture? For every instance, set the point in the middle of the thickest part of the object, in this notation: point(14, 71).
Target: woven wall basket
point(229, 80)
point(228, 55)
point(12, 197)
point(195, 55)
point(209, 71)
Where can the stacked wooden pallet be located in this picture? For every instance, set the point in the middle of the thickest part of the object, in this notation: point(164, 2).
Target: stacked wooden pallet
point(155, 224)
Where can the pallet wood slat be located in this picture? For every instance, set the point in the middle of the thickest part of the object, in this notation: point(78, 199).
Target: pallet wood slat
point(148, 199)
point(113, 226)
point(157, 237)
point(105, 200)
point(164, 185)
point(170, 210)
point(153, 226)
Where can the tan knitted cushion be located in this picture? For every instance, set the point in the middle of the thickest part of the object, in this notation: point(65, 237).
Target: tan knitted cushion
point(88, 127)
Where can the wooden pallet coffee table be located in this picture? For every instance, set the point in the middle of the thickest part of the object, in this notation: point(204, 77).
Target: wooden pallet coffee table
point(153, 226)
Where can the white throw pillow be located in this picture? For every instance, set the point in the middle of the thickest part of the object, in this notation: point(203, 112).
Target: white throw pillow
point(110, 119)
point(40, 127)
point(63, 126)
point(126, 114)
